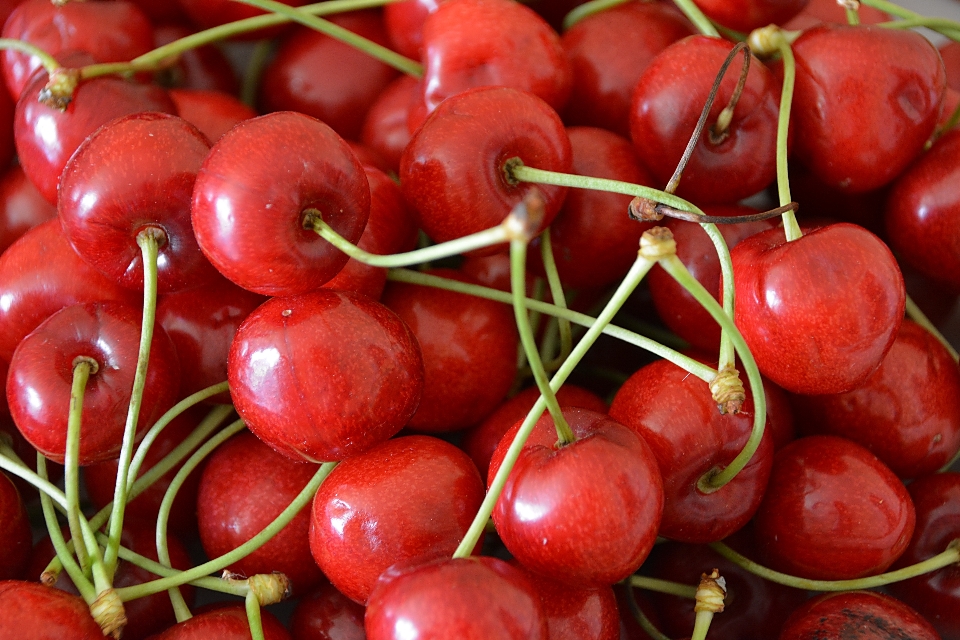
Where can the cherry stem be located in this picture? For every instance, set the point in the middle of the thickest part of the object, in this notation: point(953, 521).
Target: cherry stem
point(853, 16)
point(711, 593)
point(697, 17)
point(252, 605)
point(374, 50)
point(686, 363)
point(588, 9)
point(486, 238)
point(944, 26)
point(952, 31)
point(663, 586)
point(559, 298)
point(639, 269)
point(944, 559)
point(82, 368)
point(149, 241)
point(642, 619)
point(11, 463)
point(47, 61)
point(717, 478)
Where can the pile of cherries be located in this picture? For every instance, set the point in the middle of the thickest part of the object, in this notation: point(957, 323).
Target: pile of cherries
point(416, 349)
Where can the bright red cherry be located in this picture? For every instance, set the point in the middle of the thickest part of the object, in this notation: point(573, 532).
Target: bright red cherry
point(39, 612)
point(747, 15)
point(213, 112)
point(404, 22)
point(828, 11)
point(385, 128)
point(577, 613)
point(856, 615)
point(227, 622)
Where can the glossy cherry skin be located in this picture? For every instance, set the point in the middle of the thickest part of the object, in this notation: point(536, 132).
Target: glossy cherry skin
point(404, 23)
point(469, 348)
point(244, 487)
point(21, 207)
point(482, 598)
point(586, 513)
point(747, 15)
point(483, 43)
point(112, 32)
point(15, 534)
point(604, 71)
point(452, 172)
point(936, 595)
point(36, 612)
point(41, 374)
point(907, 413)
point(832, 511)
point(892, 80)
point(324, 375)
point(327, 614)
point(330, 80)
point(252, 190)
point(818, 313)
point(212, 112)
point(408, 499)
point(41, 274)
point(675, 414)
point(135, 174)
point(667, 102)
point(204, 68)
point(577, 613)
point(923, 209)
point(228, 622)
point(385, 127)
point(856, 615)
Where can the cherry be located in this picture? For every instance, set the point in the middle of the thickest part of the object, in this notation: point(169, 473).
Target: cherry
point(832, 511)
point(482, 598)
point(667, 101)
point(225, 623)
point(42, 613)
point(212, 112)
point(828, 11)
point(408, 499)
point(604, 71)
point(893, 80)
point(404, 23)
point(204, 68)
point(211, 13)
point(950, 53)
point(856, 615)
point(15, 535)
point(482, 43)
point(577, 613)
point(747, 15)
point(385, 127)
point(21, 207)
point(326, 614)
point(324, 375)
point(935, 595)
point(818, 313)
point(676, 415)
point(453, 170)
point(253, 190)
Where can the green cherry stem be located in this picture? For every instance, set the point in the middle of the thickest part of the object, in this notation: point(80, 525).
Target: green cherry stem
point(47, 61)
point(944, 559)
point(556, 292)
point(83, 367)
point(949, 28)
point(944, 26)
point(587, 9)
point(696, 16)
point(374, 50)
point(11, 463)
point(642, 619)
point(639, 269)
point(149, 241)
point(252, 605)
point(853, 16)
point(663, 586)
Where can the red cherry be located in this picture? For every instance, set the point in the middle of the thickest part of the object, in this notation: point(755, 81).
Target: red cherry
point(950, 53)
point(747, 15)
point(324, 375)
point(326, 614)
point(828, 11)
point(856, 615)
point(21, 207)
point(228, 622)
point(408, 499)
point(385, 128)
point(482, 598)
point(832, 511)
point(7, 109)
point(452, 172)
point(575, 613)
point(818, 313)
point(42, 613)
point(860, 123)
point(15, 534)
point(404, 23)
point(251, 194)
point(484, 43)
point(204, 68)
point(211, 13)
point(213, 112)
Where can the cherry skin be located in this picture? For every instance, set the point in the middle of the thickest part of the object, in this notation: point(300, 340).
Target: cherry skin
point(211, 13)
point(856, 615)
point(7, 109)
point(832, 511)
point(327, 614)
point(936, 595)
point(577, 613)
point(482, 598)
point(21, 207)
point(228, 622)
point(15, 534)
point(828, 11)
point(251, 194)
point(604, 71)
point(452, 171)
point(950, 53)
point(482, 43)
point(324, 375)
point(38, 612)
point(818, 313)
point(747, 15)
point(385, 127)
point(212, 112)
point(41, 374)
point(860, 123)
point(407, 499)
point(585, 513)
point(675, 414)
point(667, 102)
point(244, 487)
point(404, 23)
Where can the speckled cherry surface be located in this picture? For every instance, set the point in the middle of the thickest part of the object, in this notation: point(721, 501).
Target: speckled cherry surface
point(407, 499)
point(44, 613)
point(324, 375)
point(856, 615)
point(818, 313)
point(832, 511)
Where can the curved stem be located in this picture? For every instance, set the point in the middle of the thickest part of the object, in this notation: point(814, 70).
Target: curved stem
point(695, 15)
point(556, 292)
point(48, 62)
point(728, 294)
point(252, 605)
point(950, 556)
point(790, 226)
point(663, 586)
point(82, 368)
point(587, 9)
point(639, 269)
point(642, 619)
point(11, 463)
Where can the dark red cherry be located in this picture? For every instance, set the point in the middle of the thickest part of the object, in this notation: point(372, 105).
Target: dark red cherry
point(251, 194)
point(385, 128)
point(39, 612)
point(856, 615)
point(204, 68)
point(482, 598)
point(327, 614)
point(858, 124)
point(228, 622)
point(604, 70)
point(21, 207)
point(832, 511)
point(211, 13)
point(667, 102)
point(452, 171)
point(820, 312)
point(133, 175)
point(324, 375)
point(213, 112)
point(408, 499)
point(484, 43)
point(747, 15)
point(15, 533)
point(7, 110)
point(576, 613)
